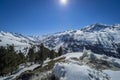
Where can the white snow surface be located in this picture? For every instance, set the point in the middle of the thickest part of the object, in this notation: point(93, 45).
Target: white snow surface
point(68, 71)
point(75, 70)
point(115, 75)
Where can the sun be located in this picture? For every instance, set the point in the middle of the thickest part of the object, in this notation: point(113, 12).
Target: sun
point(64, 2)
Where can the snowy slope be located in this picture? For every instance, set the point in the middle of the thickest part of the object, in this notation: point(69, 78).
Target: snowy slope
point(20, 42)
point(101, 39)
point(73, 68)
point(14, 38)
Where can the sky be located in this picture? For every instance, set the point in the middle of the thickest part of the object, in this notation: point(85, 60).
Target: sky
point(41, 17)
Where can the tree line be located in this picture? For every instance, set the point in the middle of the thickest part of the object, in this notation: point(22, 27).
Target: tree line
point(11, 59)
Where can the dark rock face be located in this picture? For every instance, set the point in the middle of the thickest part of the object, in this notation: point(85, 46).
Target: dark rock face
point(25, 76)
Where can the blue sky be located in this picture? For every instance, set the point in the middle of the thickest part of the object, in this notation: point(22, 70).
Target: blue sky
point(39, 17)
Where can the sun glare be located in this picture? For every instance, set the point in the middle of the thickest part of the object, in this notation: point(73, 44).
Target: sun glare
point(64, 2)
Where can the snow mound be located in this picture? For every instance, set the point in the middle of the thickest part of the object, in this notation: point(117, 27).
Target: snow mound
point(69, 71)
point(87, 66)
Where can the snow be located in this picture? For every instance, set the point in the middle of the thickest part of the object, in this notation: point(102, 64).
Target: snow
point(75, 54)
point(58, 46)
point(11, 41)
point(76, 70)
point(71, 72)
point(100, 35)
point(16, 39)
point(106, 35)
point(115, 75)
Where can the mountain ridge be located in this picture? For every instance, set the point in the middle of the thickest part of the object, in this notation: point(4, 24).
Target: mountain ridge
point(106, 39)
point(100, 38)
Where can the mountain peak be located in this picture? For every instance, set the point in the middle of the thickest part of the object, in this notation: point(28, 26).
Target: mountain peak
point(95, 27)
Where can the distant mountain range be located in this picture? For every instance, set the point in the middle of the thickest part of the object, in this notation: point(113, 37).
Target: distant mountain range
point(99, 38)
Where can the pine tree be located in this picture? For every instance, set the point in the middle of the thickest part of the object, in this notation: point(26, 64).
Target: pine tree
point(21, 58)
point(10, 48)
point(2, 59)
point(31, 55)
point(9, 60)
point(46, 53)
point(36, 57)
point(41, 54)
point(52, 54)
point(60, 51)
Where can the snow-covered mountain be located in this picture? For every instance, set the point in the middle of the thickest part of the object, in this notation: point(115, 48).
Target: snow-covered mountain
point(20, 42)
point(86, 65)
point(100, 38)
point(14, 38)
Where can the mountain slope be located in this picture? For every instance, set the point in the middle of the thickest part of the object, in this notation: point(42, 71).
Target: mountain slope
point(20, 42)
point(101, 39)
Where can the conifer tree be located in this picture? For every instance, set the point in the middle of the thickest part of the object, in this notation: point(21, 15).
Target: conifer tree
point(9, 60)
point(21, 58)
point(31, 55)
point(46, 53)
point(52, 54)
point(60, 51)
point(2, 59)
point(36, 57)
point(41, 54)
